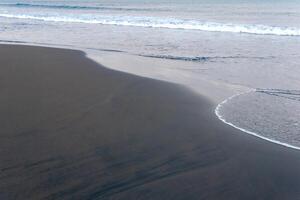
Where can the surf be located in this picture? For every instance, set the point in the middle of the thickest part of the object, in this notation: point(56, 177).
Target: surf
point(158, 22)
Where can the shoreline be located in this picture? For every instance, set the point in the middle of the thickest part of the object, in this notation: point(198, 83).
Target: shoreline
point(218, 101)
point(73, 129)
point(221, 118)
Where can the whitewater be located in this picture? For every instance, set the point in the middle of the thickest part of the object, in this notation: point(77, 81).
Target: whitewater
point(154, 22)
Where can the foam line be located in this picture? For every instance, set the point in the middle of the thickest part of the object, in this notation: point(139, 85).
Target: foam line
point(217, 112)
point(157, 22)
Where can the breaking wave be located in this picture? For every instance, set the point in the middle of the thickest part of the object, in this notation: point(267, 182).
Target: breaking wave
point(157, 22)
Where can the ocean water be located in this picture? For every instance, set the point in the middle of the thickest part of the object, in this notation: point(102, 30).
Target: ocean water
point(250, 45)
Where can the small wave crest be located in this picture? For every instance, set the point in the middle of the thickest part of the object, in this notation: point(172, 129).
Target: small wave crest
point(200, 58)
point(169, 57)
point(156, 22)
point(78, 7)
point(288, 94)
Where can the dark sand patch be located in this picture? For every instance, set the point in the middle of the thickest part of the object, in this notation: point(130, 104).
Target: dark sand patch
point(71, 129)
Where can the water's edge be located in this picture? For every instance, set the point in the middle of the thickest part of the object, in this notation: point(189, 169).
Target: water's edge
point(216, 111)
point(218, 114)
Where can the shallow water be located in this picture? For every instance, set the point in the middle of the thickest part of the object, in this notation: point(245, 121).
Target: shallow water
point(237, 44)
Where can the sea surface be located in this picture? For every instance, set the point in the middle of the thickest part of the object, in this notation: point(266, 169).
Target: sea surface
point(254, 45)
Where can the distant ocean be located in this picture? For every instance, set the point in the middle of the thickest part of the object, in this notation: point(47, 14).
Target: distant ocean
point(252, 44)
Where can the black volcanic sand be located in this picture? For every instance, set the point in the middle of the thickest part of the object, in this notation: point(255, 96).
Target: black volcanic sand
point(71, 129)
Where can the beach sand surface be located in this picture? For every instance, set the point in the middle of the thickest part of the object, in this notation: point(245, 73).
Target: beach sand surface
point(73, 129)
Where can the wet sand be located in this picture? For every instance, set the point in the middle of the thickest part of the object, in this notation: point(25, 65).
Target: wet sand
point(72, 129)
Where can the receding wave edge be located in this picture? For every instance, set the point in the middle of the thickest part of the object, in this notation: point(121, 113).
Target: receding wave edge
point(218, 114)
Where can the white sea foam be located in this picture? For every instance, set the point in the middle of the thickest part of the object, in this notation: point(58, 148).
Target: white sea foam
point(158, 22)
point(222, 118)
